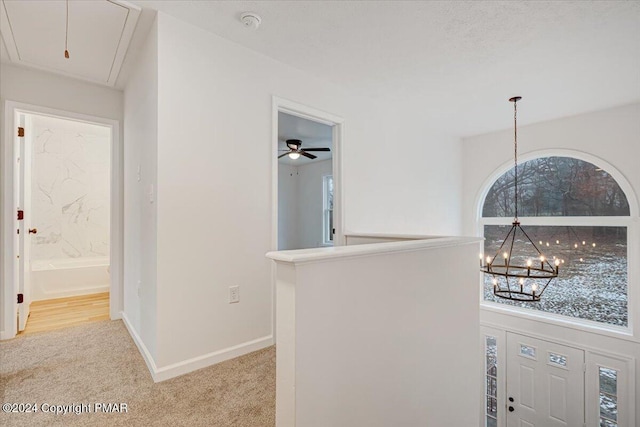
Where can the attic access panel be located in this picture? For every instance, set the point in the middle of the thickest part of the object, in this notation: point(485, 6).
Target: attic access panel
point(99, 35)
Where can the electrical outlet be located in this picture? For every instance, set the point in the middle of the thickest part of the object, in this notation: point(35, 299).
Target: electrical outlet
point(234, 294)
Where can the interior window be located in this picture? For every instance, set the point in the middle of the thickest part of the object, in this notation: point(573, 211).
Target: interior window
point(572, 210)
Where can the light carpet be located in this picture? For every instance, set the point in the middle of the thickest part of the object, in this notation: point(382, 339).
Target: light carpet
point(99, 362)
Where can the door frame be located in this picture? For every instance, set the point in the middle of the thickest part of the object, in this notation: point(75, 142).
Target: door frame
point(8, 284)
point(337, 123)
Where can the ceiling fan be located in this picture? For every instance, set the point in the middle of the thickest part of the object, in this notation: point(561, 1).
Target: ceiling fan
point(295, 150)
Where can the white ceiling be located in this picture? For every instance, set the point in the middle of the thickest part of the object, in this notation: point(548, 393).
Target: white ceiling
point(452, 64)
point(312, 134)
point(456, 62)
point(33, 34)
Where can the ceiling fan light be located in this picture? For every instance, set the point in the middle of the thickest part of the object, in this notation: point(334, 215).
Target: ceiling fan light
point(294, 155)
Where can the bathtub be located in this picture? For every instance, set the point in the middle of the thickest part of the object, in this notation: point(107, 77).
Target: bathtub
point(59, 278)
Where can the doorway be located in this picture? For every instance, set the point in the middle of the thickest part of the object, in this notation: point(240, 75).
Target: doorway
point(61, 263)
point(305, 183)
point(545, 383)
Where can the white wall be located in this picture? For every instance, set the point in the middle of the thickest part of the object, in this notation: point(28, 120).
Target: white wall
point(140, 209)
point(611, 135)
point(411, 182)
point(300, 203)
point(310, 203)
point(287, 206)
point(211, 112)
point(49, 90)
point(213, 188)
point(378, 335)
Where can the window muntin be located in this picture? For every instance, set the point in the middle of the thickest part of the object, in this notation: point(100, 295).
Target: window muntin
point(556, 186)
point(575, 211)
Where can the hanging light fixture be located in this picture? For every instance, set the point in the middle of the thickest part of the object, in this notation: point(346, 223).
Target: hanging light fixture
point(66, 34)
point(515, 276)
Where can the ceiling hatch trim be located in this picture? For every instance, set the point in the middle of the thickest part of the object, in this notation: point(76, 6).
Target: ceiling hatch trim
point(115, 32)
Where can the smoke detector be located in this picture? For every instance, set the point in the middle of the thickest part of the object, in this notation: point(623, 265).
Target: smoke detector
point(250, 20)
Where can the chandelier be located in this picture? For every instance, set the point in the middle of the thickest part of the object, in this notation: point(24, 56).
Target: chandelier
point(514, 276)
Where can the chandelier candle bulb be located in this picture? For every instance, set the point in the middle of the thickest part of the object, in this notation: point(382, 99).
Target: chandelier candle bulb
point(557, 265)
point(481, 256)
point(529, 267)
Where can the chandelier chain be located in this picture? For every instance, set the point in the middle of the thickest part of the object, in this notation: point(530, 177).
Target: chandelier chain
point(515, 154)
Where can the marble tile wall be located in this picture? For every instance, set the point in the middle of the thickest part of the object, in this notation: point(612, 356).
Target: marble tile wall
point(70, 189)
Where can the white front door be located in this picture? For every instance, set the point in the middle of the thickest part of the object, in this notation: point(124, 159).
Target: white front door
point(545, 383)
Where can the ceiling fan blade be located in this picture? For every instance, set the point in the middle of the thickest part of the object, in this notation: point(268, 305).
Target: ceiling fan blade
point(318, 149)
point(304, 153)
point(282, 155)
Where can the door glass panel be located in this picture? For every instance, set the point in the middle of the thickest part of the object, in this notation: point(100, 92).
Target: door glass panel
point(608, 407)
point(491, 375)
point(558, 359)
point(525, 350)
point(608, 397)
point(608, 381)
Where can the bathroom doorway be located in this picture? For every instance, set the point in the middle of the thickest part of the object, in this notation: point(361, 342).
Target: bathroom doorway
point(62, 193)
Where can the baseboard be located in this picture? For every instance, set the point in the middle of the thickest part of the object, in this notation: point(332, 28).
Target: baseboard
point(6, 336)
point(195, 363)
point(43, 296)
point(148, 359)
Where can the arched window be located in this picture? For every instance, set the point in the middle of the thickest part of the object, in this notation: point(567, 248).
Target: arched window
point(575, 211)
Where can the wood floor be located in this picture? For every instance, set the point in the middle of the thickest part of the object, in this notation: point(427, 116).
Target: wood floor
point(64, 312)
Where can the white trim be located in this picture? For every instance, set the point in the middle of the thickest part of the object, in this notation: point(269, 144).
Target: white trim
point(576, 323)
point(574, 221)
point(7, 223)
point(146, 355)
point(199, 362)
point(340, 253)
point(195, 363)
